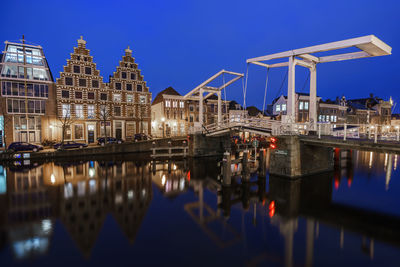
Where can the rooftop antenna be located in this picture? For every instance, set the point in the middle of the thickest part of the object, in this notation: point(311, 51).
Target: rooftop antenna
point(23, 39)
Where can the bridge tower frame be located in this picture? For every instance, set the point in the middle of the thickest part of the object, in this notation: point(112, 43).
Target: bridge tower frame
point(368, 46)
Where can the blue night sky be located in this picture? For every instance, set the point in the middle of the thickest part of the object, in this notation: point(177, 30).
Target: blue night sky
point(182, 43)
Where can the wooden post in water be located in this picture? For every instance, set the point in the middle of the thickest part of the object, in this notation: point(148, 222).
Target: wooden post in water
point(226, 169)
point(245, 166)
point(262, 162)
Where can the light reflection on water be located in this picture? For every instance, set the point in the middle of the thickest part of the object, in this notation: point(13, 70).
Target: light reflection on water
point(119, 211)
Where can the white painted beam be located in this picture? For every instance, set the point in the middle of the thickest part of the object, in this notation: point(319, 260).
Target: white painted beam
point(346, 56)
point(309, 57)
point(304, 63)
point(291, 107)
point(369, 44)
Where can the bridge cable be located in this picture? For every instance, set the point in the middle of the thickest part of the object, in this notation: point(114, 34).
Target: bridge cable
point(244, 84)
point(283, 81)
point(265, 91)
point(305, 82)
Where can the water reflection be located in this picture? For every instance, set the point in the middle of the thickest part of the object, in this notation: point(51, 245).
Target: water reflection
point(268, 219)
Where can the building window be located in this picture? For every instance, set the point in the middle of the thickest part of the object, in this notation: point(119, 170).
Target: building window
point(90, 95)
point(78, 129)
point(79, 111)
point(123, 75)
point(167, 103)
point(301, 105)
point(191, 108)
point(133, 76)
point(117, 98)
point(174, 104)
point(283, 107)
point(95, 83)
point(129, 98)
point(191, 118)
point(181, 116)
point(103, 96)
point(77, 69)
point(118, 86)
point(82, 82)
point(117, 111)
point(69, 81)
point(66, 110)
point(167, 114)
point(181, 104)
point(91, 114)
point(139, 88)
point(88, 70)
point(129, 87)
point(78, 94)
point(142, 99)
point(278, 108)
point(65, 94)
point(306, 105)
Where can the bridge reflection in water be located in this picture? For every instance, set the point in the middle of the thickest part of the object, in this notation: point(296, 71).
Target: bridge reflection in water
point(290, 215)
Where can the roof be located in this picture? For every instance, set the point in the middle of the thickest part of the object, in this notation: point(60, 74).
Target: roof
point(166, 91)
point(253, 111)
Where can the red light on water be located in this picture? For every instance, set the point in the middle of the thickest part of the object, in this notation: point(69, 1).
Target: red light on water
point(272, 205)
point(273, 139)
point(188, 175)
point(272, 146)
point(271, 208)
point(349, 182)
point(337, 183)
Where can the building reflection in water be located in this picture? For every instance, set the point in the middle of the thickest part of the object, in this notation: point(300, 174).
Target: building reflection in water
point(83, 194)
point(79, 194)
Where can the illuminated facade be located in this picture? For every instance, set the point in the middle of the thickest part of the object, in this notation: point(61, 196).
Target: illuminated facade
point(27, 94)
point(173, 115)
point(131, 99)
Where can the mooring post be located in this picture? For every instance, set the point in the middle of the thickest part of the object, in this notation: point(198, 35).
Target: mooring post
point(226, 169)
point(345, 132)
point(154, 148)
point(184, 148)
point(319, 131)
point(376, 134)
point(245, 163)
point(262, 161)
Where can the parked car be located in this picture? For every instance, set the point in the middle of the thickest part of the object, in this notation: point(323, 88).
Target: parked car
point(23, 146)
point(70, 144)
point(110, 140)
point(141, 137)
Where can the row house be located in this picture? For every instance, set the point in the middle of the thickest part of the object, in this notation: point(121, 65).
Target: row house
point(370, 110)
point(27, 94)
point(174, 115)
point(94, 108)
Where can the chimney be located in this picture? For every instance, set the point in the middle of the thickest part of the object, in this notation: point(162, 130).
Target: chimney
point(81, 42)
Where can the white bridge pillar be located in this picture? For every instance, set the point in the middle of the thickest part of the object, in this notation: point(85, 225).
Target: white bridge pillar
point(313, 98)
point(291, 102)
point(201, 107)
point(219, 108)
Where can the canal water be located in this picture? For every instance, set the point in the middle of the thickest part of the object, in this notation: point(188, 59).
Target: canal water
point(126, 211)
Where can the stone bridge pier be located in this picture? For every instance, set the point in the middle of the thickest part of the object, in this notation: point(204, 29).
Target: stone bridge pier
point(292, 158)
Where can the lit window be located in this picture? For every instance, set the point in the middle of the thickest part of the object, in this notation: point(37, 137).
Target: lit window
point(129, 98)
point(278, 108)
point(142, 99)
point(167, 103)
point(117, 97)
point(91, 113)
point(306, 105)
point(181, 104)
point(283, 107)
point(78, 131)
point(79, 111)
point(301, 105)
point(66, 110)
point(174, 104)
